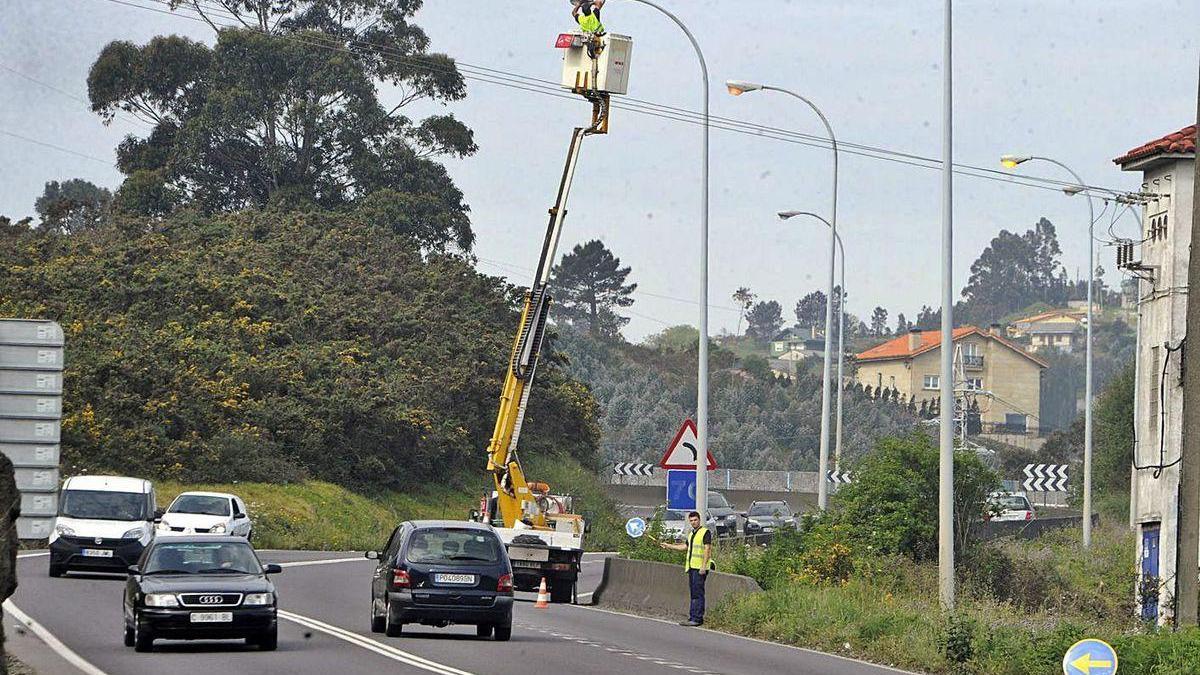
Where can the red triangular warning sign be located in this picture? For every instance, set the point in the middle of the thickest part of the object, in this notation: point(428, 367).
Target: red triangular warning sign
point(681, 453)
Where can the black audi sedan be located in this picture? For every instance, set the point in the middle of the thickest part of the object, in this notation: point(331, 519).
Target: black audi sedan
point(200, 588)
point(437, 573)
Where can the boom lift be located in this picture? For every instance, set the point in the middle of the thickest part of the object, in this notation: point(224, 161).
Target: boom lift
point(544, 537)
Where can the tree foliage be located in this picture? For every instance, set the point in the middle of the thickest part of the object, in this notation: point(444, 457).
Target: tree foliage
point(589, 285)
point(72, 206)
point(272, 345)
point(1015, 271)
point(765, 320)
point(810, 310)
point(745, 300)
point(284, 110)
point(879, 318)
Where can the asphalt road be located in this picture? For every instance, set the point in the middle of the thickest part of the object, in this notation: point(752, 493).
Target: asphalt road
point(325, 630)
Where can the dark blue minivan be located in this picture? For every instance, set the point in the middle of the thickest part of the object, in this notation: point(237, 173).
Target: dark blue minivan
point(442, 572)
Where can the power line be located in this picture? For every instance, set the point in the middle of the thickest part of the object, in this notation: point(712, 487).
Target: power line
point(548, 88)
point(57, 147)
point(69, 95)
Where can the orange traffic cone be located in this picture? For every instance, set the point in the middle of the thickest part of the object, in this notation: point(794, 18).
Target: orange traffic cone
point(543, 599)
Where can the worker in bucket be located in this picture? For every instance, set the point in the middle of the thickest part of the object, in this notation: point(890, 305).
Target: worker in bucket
point(697, 564)
point(587, 14)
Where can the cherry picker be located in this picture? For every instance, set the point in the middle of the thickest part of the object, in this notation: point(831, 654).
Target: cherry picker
point(543, 535)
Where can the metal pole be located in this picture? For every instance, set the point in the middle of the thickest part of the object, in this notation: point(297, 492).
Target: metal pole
point(837, 446)
point(823, 460)
point(946, 435)
point(1087, 387)
point(702, 368)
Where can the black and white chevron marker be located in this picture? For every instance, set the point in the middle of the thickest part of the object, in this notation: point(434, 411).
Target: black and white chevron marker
point(1045, 477)
point(633, 469)
point(838, 477)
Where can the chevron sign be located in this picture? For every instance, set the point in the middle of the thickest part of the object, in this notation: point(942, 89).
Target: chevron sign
point(1045, 477)
point(838, 477)
point(633, 469)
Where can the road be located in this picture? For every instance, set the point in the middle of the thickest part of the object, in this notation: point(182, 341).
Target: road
point(324, 600)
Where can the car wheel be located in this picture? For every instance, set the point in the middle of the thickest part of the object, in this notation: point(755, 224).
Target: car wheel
point(269, 641)
point(128, 636)
point(56, 570)
point(143, 638)
point(503, 633)
point(391, 628)
point(484, 630)
point(377, 622)
point(562, 592)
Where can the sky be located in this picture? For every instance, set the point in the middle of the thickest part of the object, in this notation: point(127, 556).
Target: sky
point(1080, 81)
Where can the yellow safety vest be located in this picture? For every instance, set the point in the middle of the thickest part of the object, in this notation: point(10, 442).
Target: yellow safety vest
point(590, 23)
point(695, 552)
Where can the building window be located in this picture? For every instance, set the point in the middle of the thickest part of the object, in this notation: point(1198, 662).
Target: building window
point(932, 382)
point(778, 346)
point(893, 381)
point(1015, 423)
point(974, 384)
point(970, 349)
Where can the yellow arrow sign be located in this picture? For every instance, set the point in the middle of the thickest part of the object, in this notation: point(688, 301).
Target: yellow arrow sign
point(1084, 664)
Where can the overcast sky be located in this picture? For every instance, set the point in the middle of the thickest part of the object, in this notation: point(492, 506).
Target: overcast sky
point(1080, 81)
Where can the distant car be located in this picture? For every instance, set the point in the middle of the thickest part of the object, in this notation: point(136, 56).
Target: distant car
point(103, 525)
point(722, 514)
point(1008, 506)
point(675, 524)
point(765, 517)
point(200, 588)
point(206, 513)
point(441, 572)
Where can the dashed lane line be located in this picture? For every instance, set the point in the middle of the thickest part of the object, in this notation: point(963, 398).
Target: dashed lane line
point(619, 650)
point(372, 645)
point(52, 642)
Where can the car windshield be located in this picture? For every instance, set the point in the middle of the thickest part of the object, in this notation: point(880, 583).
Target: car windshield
point(717, 501)
point(449, 546)
point(101, 505)
point(1012, 503)
point(202, 558)
point(770, 510)
point(206, 505)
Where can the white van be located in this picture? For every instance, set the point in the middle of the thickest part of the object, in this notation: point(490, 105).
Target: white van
point(103, 525)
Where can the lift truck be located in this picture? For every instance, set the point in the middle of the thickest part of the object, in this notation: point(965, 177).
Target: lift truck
point(543, 534)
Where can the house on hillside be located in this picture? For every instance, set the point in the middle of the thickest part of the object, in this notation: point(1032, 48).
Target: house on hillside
point(1008, 377)
point(1061, 328)
point(1168, 168)
point(799, 344)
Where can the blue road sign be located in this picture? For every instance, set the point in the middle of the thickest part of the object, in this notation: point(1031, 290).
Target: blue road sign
point(681, 490)
point(1090, 657)
point(635, 527)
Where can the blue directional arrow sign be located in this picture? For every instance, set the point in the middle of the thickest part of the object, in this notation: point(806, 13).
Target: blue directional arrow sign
point(1090, 657)
point(635, 527)
point(681, 490)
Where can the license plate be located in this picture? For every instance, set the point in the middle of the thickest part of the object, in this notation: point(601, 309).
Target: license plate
point(539, 554)
point(454, 578)
point(211, 617)
point(526, 563)
point(97, 553)
point(768, 529)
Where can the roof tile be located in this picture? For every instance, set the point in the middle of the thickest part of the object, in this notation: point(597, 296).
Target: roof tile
point(1182, 141)
point(897, 348)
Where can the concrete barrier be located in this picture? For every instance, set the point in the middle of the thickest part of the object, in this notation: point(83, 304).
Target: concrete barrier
point(661, 589)
point(1030, 529)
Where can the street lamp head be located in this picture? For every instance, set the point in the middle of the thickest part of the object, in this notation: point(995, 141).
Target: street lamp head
point(785, 215)
point(1073, 190)
point(1011, 161)
point(739, 87)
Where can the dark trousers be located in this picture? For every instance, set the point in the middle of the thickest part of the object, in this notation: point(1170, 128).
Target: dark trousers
point(696, 588)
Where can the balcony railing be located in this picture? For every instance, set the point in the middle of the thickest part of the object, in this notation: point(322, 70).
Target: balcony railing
point(972, 361)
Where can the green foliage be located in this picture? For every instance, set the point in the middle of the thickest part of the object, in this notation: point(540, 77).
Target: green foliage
point(891, 507)
point(810, 310)
point(764, 320)
point(646, 546)
point(956, 638)
point(72, 206)
point(675, 339)
point(589, 285)
point(284, 110)
point(1113, 433)
point(1014, 271)
point(273, 346)
point(566, 475)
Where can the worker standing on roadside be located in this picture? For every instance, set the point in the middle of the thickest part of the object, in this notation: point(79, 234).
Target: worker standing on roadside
point(587, 13)
point(697, 563)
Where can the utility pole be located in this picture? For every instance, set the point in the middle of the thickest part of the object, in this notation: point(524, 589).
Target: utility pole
point(1188, 556)
point(946, 435)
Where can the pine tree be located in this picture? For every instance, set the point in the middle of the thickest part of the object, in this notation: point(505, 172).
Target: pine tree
point(589, 285)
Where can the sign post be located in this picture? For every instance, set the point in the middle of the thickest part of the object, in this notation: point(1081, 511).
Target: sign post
point(682, 461)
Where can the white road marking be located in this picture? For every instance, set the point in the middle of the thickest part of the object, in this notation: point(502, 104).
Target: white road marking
point(52, 642)
point(743, 637)
point(36, 554)
point(372, 645)
point(330, 561)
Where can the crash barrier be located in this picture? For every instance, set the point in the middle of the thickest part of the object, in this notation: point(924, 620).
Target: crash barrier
point(1030, 529)
point(661, 589)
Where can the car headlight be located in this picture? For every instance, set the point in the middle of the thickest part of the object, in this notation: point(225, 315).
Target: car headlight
point(135, 533)
point(161, 600)
point(258, 599)
point(64, 531)
point(219, 528)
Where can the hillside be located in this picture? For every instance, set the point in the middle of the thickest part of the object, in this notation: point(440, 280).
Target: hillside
point(757, 421)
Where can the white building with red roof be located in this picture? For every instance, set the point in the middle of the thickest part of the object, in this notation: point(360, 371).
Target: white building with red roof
point(1168, 166)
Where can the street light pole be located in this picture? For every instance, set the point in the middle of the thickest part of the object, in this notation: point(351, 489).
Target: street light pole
point(837, 446)
point(702, 368)
point(946, 435)
point(737, 88)
point(1011, 161)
